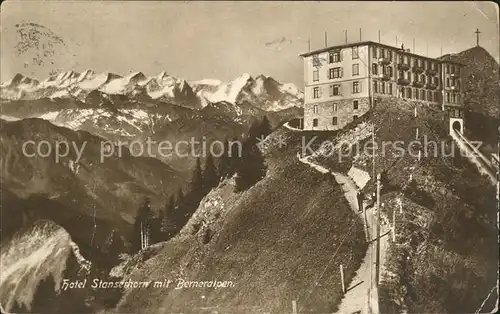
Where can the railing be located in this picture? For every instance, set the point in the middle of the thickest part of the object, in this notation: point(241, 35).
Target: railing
point(403, 81)
point(403, 66)
point(418, 83)
point(431, 86)
point(384, 60)
point(418, 69)
point(431, 71)
point(384, 77)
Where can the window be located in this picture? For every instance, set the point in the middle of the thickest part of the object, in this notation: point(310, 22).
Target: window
point(355, 104)
point(402, 74)
point(355, 87)
point(315, 109)
point(422, 94)
point(334, 56)
point(316, 61)
point(315, 75)
point(315, 122)
point(447, 97)
point(415, 77)
point(422, 78)
point(429, 95)
point(334, 73)
point(416, 94)
point(447, 82)
point(375, 86)
point(402, 92)
point(355, 69)
point(334, 90)
point(355, 54)
point(447, 69)
point(408, 94)
point(334, 121)
point(374, 68)
point(316, 92)
point(452, 69)
point(389, 55)
point(453, 98)
point(374, 51)
point(389, 71)
point(335, 107)
point(389, 88)
point(355, 118)
point(382, 87)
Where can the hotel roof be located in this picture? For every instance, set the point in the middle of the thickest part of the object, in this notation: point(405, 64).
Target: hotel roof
point(370, 43)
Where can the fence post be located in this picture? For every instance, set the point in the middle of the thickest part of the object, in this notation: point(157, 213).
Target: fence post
point(342, 278)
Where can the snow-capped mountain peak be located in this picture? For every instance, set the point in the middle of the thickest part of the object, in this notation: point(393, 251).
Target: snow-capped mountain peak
point(263, 91)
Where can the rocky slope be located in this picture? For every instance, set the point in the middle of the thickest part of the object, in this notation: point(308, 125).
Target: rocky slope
point(273, 244)
point(481, 80)
point(444, 223)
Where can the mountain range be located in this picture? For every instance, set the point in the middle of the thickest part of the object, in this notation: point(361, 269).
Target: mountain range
point(91, 88)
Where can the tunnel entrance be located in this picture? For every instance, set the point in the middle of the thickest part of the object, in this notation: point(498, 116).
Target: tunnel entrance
point(456, 125)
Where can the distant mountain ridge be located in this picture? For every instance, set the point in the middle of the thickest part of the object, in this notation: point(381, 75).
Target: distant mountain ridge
point(262, 91)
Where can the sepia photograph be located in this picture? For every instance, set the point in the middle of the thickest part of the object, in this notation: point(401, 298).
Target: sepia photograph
point(227, 157)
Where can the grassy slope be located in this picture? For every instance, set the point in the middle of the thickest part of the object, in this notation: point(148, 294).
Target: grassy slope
point(273, 241)
point(446, 254)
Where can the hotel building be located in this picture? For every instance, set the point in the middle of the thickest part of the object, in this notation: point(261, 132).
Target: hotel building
point(343, 82)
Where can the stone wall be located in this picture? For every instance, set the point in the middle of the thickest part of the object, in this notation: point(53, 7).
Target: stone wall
point(325, 113)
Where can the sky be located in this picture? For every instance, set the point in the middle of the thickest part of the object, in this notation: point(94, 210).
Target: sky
point(222, 40)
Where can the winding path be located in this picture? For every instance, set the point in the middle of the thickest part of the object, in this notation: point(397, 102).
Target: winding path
point(362, 293)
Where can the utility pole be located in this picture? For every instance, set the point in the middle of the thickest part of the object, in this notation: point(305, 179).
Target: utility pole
point(360, 34)
point(309, 44)
point(326, 39)
point(342, 278)
point(394, 225)
point(379, 36)
point(377, 257)
point(346, 36)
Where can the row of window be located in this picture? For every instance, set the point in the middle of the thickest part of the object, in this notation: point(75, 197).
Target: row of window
point(335, 107)
point(381, 52)
point(386, 70)
point(452, 98)
point(335, 89)
point(418, 94)
point(334, 73)
point(335, 120)
point(419, 78)
point(382, 87)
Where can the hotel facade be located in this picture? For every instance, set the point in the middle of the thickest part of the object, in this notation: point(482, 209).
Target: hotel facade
point(343, 82)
